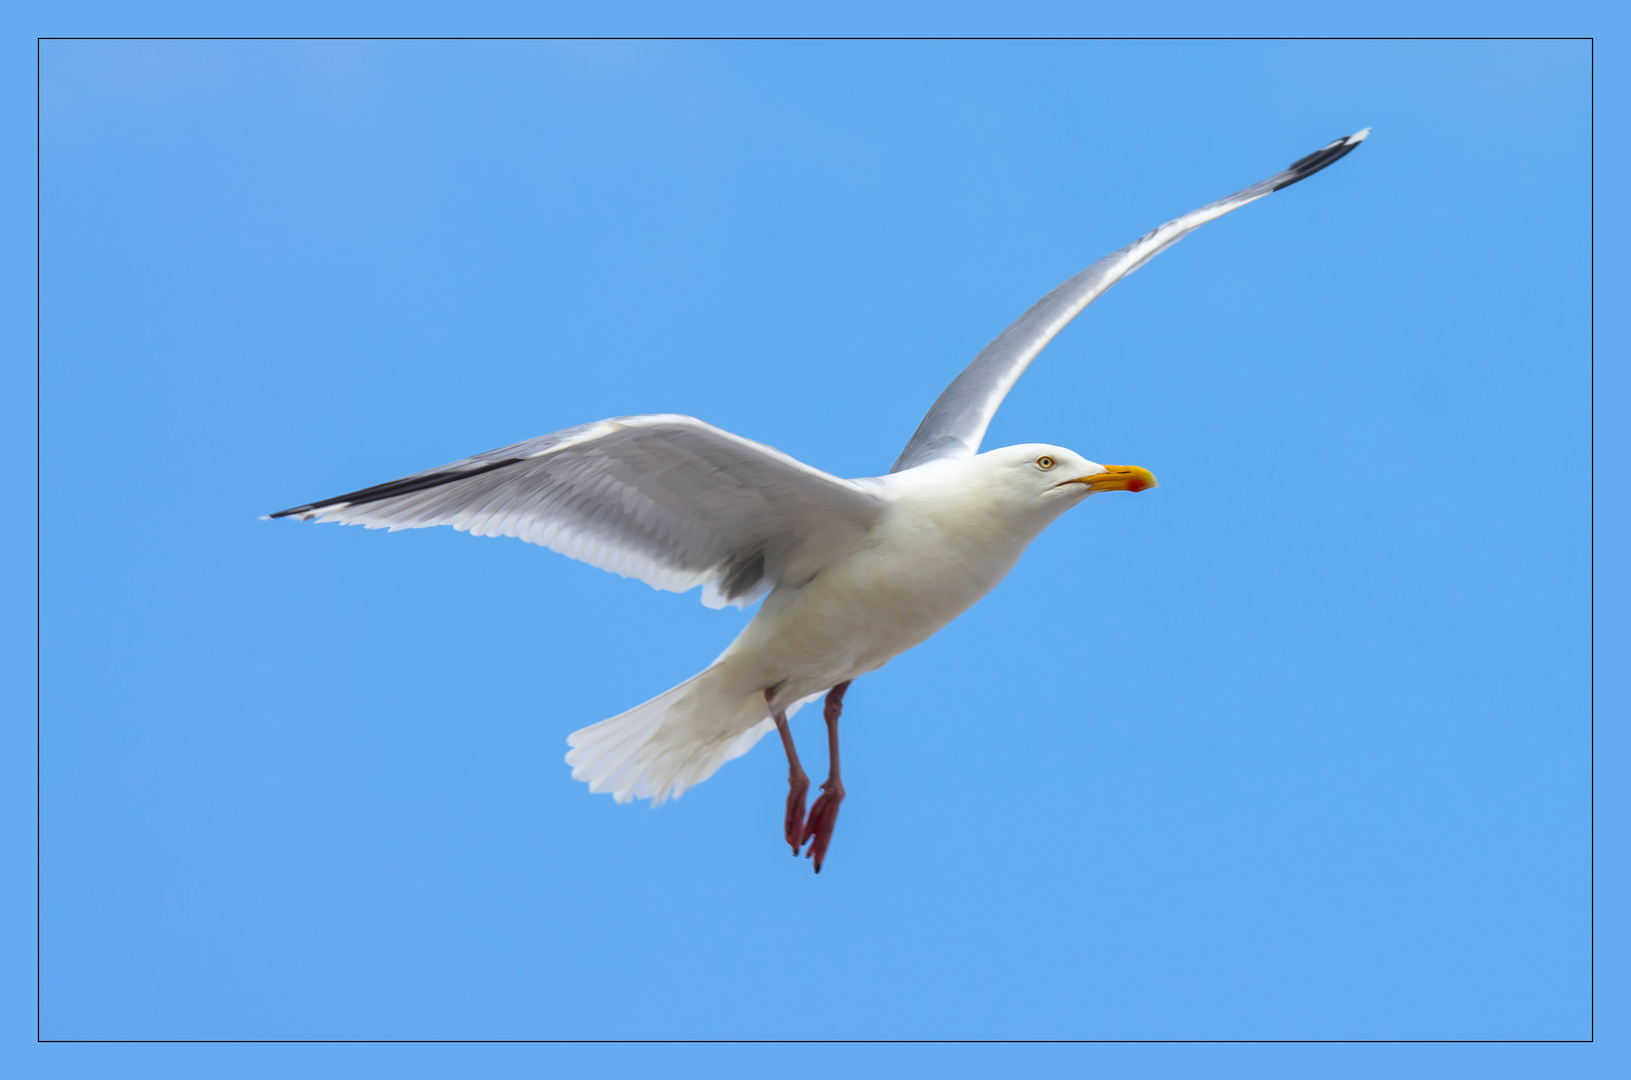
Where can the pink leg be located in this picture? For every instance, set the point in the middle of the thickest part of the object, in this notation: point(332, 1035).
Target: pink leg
point(823, 817)
point(797, 785)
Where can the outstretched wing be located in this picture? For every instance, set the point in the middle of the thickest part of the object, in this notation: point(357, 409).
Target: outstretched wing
point(956, 423)
point(669, 500)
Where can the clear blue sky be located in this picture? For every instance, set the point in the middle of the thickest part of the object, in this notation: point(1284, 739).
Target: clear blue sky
point(1296, 746)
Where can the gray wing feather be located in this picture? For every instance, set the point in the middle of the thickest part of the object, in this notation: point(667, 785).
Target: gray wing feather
point(956, 423)
point(666, 499)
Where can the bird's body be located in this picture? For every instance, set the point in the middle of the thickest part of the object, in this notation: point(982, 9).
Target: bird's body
point(949, 533)
point(946, 534)
point(852, 572)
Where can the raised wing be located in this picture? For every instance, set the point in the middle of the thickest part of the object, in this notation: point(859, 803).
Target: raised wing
point(956, 423)
point(669, 500)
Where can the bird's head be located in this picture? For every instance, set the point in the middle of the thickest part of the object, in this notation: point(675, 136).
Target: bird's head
point(1016, 489)
point(1052, 474)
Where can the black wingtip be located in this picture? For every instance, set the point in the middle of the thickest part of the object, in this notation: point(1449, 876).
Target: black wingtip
point(1335, 151)
point(308, 510)
point(405, 486)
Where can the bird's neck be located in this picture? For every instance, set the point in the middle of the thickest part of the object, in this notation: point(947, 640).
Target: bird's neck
point(970, 511)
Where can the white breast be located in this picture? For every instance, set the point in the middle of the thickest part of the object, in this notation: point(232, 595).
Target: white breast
point(942, 544)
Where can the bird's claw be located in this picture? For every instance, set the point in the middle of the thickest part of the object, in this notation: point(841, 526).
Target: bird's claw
point(818, 826)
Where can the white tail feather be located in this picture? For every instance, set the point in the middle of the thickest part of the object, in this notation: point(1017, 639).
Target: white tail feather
point(672, 742)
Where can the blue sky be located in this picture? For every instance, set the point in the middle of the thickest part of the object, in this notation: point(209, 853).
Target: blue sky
point(1295, 747)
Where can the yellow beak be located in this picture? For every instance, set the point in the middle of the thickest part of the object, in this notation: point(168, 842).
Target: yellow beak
point(1117, 478)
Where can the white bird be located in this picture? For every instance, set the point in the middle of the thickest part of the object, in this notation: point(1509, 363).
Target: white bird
point(852, 572)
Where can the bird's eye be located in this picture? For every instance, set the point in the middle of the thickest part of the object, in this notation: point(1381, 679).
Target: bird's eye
point(1044, 462)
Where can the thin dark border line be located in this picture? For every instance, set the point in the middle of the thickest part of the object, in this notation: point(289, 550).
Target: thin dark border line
point(1591, 547)
point(807, 1042)
point(37, 538)
point(1584, 37)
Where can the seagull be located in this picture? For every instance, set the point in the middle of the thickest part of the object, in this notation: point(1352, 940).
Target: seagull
point(851, 572)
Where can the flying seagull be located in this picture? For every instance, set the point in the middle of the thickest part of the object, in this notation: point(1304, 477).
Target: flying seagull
point(852, 572)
